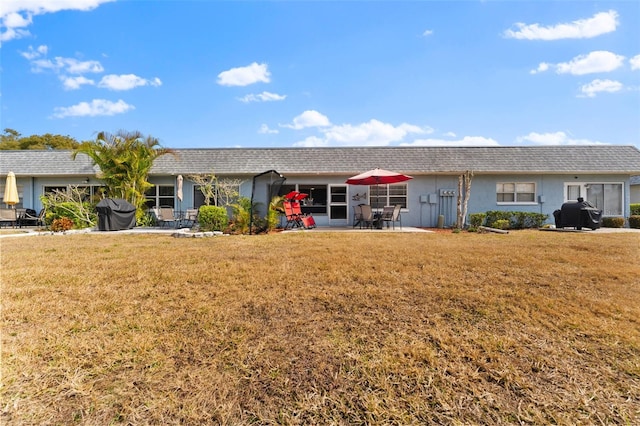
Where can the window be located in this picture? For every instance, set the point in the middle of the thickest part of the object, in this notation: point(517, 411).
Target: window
point(160, 196)
point(607, 197)
point(516, 192)
point(315, 203)
point(223, 195)
point(90, 193)
point(388, 195)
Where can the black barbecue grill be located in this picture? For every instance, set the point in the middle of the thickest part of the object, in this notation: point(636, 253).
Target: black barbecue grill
point(578, 214)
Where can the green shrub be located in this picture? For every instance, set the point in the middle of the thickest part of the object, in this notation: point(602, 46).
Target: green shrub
point(501, 224)
point(147, 219)
point(635, 209)
point(526, 220)
point(495, 215)
point(476, 219)
point(613, 222)
point(213, 218)
point(634, 221)
point(242, 216)
point(517, 220)
point(73, 211)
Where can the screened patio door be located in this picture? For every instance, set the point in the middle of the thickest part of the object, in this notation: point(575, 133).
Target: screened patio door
point(338, 205)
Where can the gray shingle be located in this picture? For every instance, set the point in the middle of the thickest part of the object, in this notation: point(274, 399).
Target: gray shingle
point(351, 160)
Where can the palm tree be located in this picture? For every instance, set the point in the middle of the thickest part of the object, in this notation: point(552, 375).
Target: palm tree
point(125, 160)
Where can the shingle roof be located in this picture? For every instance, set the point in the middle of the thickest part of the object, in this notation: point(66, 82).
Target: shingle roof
point(352, 160)
point(45, 163)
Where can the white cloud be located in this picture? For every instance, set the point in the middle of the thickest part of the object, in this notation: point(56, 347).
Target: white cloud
point(465, 141)
point(635, 62)
point(551, 139)
point(427, 33)
point(593, 62)
point(371, 133)
point(244, 76)
point(265, 130)
point(598, 61)
point(311, 142)
point(73, 83)
point(32, 53)
point(600, 23)
point(262, 97)
point(309, 118)
point(59, 64)
point(17, 14)
point(590, 89)
point(96, 107)
point(126, 82)
point(450, 135)
point(542, 67)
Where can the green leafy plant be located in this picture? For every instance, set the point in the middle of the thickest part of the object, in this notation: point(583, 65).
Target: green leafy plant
point(477, 219)
point(517, 220)
point(501, 224)
point(213, 218)
point(634, 221)
point(125, 159)
point(69, 204)
point(613, 222)
point(275, 210)
point(635, 209)
point(146, 219)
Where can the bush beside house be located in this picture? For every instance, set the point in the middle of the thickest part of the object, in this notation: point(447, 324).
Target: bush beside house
point(507, 220)
point(213, 218)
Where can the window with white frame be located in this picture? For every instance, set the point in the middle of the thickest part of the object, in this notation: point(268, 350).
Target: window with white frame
point(90, 193)
point(224, 194)
point(607, 197)
point(516, 192)
point(160, 196)
point(388, 195)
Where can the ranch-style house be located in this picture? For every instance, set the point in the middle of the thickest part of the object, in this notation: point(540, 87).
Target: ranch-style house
point(513, 178)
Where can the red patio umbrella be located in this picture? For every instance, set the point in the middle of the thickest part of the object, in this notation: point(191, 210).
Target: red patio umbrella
point(377, 176)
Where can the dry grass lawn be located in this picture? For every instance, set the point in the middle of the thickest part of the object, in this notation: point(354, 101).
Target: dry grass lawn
point(321, 328)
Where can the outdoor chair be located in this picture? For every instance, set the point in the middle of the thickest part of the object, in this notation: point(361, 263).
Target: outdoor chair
point(28, 217)
point(357, 215)
point(366, 218)
point(190, 217)
point(8, 216)
point(306, 220)
point(166, 216)
point(293, 220)
point(392, 214)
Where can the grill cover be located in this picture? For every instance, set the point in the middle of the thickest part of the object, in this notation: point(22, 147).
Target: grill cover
point(578, 214)
point(115, 214)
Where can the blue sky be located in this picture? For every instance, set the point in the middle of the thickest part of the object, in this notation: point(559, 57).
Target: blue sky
point(325, 73)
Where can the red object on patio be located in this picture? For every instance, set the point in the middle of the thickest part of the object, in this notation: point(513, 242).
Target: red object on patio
point(378, 176)
point(295, 195)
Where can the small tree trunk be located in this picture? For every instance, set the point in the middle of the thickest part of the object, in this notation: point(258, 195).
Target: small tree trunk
point(459, 216)
point(464, 192)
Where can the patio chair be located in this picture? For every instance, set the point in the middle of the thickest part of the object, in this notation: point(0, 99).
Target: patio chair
point(190, 217)
point(293, 220)
point(357, 215)
point(392, 214)
point(366, 219)
point(306, 220)
point(166, 216)
point(8, 216)
point(28, 217)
